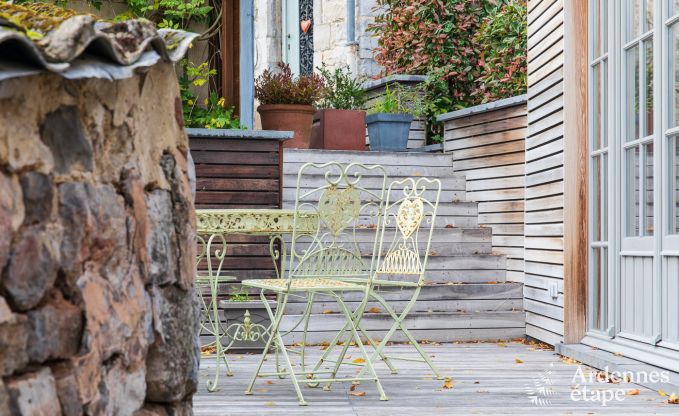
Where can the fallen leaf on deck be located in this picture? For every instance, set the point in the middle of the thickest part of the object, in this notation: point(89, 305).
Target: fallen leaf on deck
point(357, 393)
point(477, 382)
point(617, 354)
point(501, 344)
point(327, 311)
point(673, 399)
point(269, 404)
point(374, 309)
point(269, 382)
point(569, 360)
point(353, 387)
point(662, 393)
point(518, 361)
point(261, 390)
point(633, 392)
point(358, 361)
point(450, 226)
point(448, 383)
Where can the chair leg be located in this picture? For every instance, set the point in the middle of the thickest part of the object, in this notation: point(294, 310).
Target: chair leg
point(307, 316)
point(275, 322)
point(291, 369)
point(368, 364)
point(398, 325)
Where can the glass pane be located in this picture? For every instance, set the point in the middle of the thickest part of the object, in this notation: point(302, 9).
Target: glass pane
point(604, 24)
point(596, 107)
point(648, 113)
point(648, 190)
point(604, 288)
point(596, 199)
point(674, 75)
point(648, 15)
point(632, 191)
point(632, 94)
point(596, 29)
point(633, 19)
point(604, 197)
point(604, 103)
point(673, 151)
point(596, 288)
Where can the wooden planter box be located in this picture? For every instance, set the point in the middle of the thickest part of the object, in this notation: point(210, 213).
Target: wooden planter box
point(338, 130)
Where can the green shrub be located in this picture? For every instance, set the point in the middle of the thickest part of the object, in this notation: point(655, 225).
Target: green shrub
point(472, 51)
point(503, 39)
point(398, 99)
point(282, 87)
point(342, 91)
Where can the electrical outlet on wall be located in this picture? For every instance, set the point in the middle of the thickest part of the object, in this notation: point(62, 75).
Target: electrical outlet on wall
point(553, 289)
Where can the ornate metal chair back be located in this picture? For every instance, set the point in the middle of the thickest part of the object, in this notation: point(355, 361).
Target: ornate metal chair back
point(348, 200)
point(407, 228)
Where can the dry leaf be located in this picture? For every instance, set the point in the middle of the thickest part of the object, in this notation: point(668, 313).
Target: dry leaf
point(358, 361)
point(501, 344)
point(327, 311)
point(269, 382)
point(269, 404)
point(448, 383)
point(374, 309)
point(353, 387)
point(450, 226)
point(617, 354)
point(518, 361)
point(633, 392)
point(569, 360)
point(673, 399)
point(357, 393)
point(662, 393)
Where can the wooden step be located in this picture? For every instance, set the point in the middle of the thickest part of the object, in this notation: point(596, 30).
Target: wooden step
point(441, 326)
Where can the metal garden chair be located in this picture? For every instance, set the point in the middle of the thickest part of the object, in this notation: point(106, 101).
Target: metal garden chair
point(348, 199)
point(404, 244)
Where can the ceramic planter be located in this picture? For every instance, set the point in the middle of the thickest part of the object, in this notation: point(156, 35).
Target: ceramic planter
point(338, 130)
point(289, 117)
point(389, 132)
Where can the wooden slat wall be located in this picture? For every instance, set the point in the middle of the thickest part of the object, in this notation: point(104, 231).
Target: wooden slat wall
point(240, 173)
point(544, 224)
point(488, 148)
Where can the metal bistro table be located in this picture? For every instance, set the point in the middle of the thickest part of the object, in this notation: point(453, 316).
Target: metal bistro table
point(213, 228)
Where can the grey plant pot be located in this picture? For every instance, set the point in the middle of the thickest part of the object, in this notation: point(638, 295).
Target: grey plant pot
point(389, 131)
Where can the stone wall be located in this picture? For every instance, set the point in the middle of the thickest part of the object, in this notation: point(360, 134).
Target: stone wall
point(330, 36)
point(97, 313)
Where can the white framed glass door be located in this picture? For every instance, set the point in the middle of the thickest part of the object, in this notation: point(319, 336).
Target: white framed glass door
point(634, 174)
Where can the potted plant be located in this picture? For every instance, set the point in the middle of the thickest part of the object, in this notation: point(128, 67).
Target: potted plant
point(390, 117)
point(287, 102)
point(339, 124)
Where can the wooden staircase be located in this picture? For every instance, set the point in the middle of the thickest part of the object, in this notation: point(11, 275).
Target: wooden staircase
point(467, 297)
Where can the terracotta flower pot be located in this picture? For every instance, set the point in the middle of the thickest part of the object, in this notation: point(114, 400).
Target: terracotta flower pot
point(338, 130)
point(289, 117)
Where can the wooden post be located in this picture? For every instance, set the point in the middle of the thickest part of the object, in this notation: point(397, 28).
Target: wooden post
point(575, 168)
point(230, 53)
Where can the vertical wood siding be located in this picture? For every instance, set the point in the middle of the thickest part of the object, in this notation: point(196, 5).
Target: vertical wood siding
point(488, 148)
point(544, 172)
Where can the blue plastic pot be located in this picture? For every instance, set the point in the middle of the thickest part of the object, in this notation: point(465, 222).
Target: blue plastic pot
point(389, 131)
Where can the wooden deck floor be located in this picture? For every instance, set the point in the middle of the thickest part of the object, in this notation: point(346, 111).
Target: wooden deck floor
point(487, 379)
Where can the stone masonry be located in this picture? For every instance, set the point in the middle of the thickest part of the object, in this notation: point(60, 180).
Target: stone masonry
point(97, 309)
